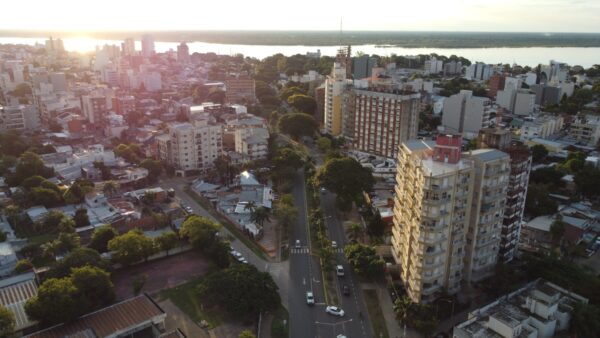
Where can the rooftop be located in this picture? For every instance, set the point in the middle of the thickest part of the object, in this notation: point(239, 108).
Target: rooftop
point(14, 293)
point(118, 318)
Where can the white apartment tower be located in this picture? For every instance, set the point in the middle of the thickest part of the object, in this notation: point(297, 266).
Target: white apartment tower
point(191, 146)
point(447, 214)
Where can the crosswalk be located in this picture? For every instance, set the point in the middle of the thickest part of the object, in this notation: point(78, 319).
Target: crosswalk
point(305, 250)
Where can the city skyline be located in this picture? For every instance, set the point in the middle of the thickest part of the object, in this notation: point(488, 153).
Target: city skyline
point(468, 15)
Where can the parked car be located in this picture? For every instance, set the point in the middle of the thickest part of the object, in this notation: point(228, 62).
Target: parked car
point(334, 310)
point(346, 290)
point(334, 244)
point(310, 298)
point(339, 270)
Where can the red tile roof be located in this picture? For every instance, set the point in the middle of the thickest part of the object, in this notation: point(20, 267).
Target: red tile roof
point(121, 317)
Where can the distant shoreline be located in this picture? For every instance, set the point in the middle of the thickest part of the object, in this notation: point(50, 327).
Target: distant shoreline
point(385, 39)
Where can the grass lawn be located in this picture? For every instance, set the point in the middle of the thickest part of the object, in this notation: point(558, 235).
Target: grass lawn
point(375, 314)
point(186, 299)
point(225, 222)
point(278, 329)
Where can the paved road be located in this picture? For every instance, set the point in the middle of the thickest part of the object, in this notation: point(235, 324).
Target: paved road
point(279, 271)
point(357, 323)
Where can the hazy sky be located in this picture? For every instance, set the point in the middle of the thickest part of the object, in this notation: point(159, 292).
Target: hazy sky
point(427, 15)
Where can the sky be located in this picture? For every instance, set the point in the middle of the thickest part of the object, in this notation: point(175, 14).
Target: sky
point(400, 15)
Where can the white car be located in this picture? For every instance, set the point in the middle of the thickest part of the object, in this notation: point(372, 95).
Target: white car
point(310, 298)
point(339, 270)
point(189, 209)
point(334, 310)
point(298, 245)
point(236, 254)
point(334, 244)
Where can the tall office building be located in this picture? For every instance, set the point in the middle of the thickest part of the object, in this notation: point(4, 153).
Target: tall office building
point(446, 213)
point(335, 85)
point(147, 45)
point(94, 107)
point(377, 122)
point(183, 53)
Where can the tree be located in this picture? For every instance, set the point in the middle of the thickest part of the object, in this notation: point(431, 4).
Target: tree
point(154, 167)
point(166, 241)
point(57, 301)
point(538, 201)
point(285, 213)
point(241, 290)
point(355, 231)
point(23, 265)
point(66, 224)
point(287, 92)
point(31, 164)
point(259, 215)
point(538, 152)
point(101, 236)
point(200, 231)
point(588, 181)
point(346, 177)
point(46, 197)
point(246, 334)
point(216, 96)
point(303, 103)
point(7, 322)
point(109, 188)
point(584, 321)
point(557, 230)
point(128, 152)
point(365, 260)
point(94, 287)
point(218, 252)
point(75, 259)
point(21, 90)
point(418, 316)
point(324, 144)
point(67, 241)
point(81, 218)
point(297, 124)
point(131, 247)
point(376, 226)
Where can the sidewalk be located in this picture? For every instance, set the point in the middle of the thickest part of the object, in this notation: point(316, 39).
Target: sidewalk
point(387, 307)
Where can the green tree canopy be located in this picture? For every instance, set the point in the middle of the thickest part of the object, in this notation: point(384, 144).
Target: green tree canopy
point(81, 218)
point(584, 321)
point(75, 259)
point(94, 286)
point(101, 236)
point(7, 322)
point(131, 247)
point(154, 167)
point(303, 103)
point(538, 201)
point(364, 260)
point(346, 177)
point(246, 334)
point(200, 231)
point(166, 241)
point(241, 290)
point(538, 152)
point(297, 124)
point(57, 301)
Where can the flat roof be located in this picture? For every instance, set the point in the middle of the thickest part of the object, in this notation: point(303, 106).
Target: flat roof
point(14, 293)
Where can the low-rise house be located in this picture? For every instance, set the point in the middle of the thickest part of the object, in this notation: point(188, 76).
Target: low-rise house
point(538, 310)
point(535, 234)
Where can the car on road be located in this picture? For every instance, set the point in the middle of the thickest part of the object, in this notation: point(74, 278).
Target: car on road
point(334, 310)
point(310, 298)
point(339, 270)
point(323, 190)
point(346, 290)
point(334, 244)
point(298, 244)
point(235, 254)
point(189, 209)
point(341, 336)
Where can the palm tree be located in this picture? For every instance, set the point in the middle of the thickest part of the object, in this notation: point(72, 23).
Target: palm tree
point(355, 232)
point(260, 215)
point(250, 206)
point(110, 188)
point(402, 307)
point(50, 249)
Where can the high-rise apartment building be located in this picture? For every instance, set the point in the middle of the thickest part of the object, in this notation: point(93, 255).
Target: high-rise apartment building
point(432, 207)
point(183, 53)
point(12, 118)
point(447, 214)
point(518, 181)
point(491, 171)
point(378, 121)
point(362, 66)
point(191, 146)
point(467, 114)
point(94, 107)
point(147, 45)
point(335, 85)
point(240, 90)
point(128, 47)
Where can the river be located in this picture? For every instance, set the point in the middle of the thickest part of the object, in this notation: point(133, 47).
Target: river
point(583, 56)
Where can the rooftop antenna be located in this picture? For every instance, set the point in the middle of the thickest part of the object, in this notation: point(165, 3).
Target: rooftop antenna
point(341, 31)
